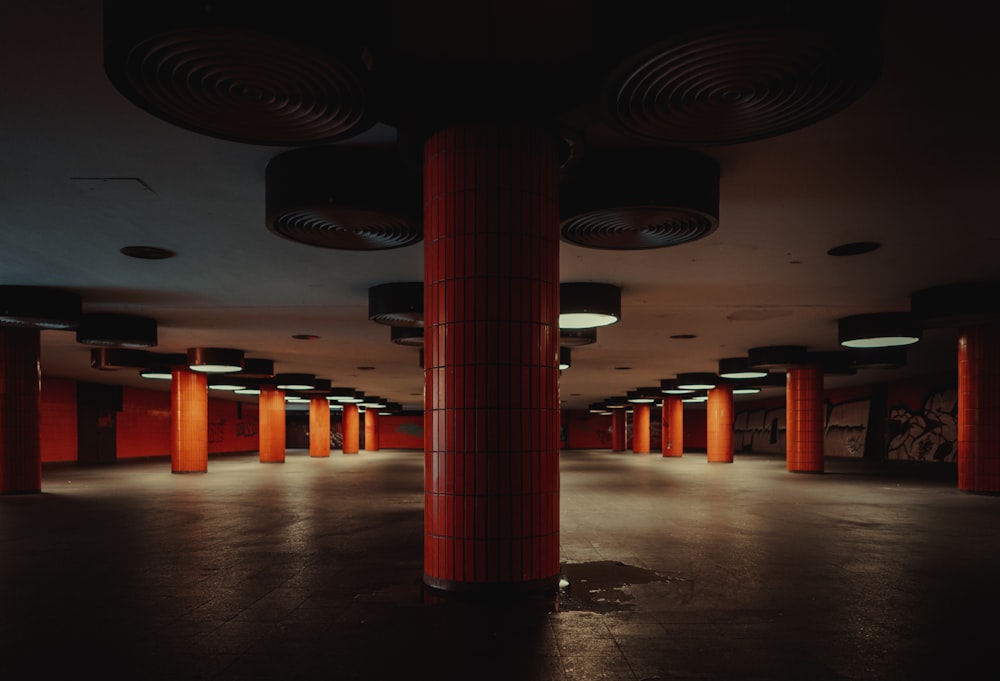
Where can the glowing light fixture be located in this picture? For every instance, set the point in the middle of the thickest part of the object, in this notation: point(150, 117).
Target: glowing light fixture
point(39, 308)
point(564, 359)
point(116, 330)
point(738, 368)
point(294, 381)
point(584, 305)
point(397, 304)
point(643, 395)
point(746, 391)
point(697, 380)
point(668, 386)
point(879, 330)
point(339, 394)
point(215, 360)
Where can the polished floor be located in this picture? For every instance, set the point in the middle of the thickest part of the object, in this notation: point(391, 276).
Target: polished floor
point(676, 569)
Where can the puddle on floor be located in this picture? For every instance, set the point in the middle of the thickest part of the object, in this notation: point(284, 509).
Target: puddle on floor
point(604, 585)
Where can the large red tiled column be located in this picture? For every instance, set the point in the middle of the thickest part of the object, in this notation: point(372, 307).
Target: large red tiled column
point(491, 334)
point(319, 426)
point(720, 424)
point(618, 426)
point(979, 409)
point(640, 429)
point(189, 421)
point(271, 419)
point(352, 429)
point(20, 389)
point(672, 422)
point(371, 430)
point(805, 419)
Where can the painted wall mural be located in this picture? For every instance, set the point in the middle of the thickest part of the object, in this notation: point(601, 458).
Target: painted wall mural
point(760, 430)
point(928, 432)
point(846, 428)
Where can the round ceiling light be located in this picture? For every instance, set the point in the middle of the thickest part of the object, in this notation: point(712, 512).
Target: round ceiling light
point(254, 367)
point(776, 357)
point(397, 304)
point(36, 307)
point(572, 338)
point(565, 359)
point(585, 305)
point(117, 330)
point(215, 360)
point(738, 368)
point(111, 359)
point(668, 386)
point(697, 380)
point(878, 330)
point(294, 381)
point(956, 305)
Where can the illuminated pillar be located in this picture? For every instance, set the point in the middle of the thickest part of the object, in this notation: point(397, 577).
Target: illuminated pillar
point(979, 409)
point(491, 334)
point(271, 415)
point(805, 419)
point(720, 424)
point(672, 418)
point(352, 434)
point(371, 430)
point(319, 426)
point(20, 390)
point(189, 421)
point(618, 439)
point(640, 429)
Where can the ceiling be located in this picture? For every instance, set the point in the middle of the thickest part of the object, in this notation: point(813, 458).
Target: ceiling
point(911, 164)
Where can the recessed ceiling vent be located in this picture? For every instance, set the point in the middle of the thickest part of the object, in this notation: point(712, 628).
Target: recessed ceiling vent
point(738, 72)
point(239, 72)
point(633, 199)
point(349, 198)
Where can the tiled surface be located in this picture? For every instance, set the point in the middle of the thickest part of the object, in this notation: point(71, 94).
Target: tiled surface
point(678, 569)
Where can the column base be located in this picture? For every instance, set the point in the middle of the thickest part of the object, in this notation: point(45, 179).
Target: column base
point(541, 593)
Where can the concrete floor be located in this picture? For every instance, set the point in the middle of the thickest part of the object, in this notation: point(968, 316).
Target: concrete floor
point(677, 569)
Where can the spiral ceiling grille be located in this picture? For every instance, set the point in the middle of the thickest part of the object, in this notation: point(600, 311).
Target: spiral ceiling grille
point(738, 85)
point(345, 228)
point(245, 86)
point(637, 227)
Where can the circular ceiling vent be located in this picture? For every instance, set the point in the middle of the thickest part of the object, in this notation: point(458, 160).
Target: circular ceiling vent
point(234, 71)
point(633, 199)
point(344, 197)
point(727, 77)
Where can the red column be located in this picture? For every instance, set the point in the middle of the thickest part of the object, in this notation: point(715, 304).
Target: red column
point(271, 417)
point(672, 418)
point(20, 389)
point(319, 426)
point(640, 429)
point(352, 434)
point(720, 424)
point(618, 439)
point(491, 333)
point(371, 430)
point(189, 421)
point(979, 409)
point(805, 419)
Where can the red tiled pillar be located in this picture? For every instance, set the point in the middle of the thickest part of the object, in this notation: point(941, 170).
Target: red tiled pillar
point(352, 433)
point(371, 430)
point(979, 409)
point(319, 426)
point(20, 390)
point(491, 341)
point(805, 419)
point(720, 424)
point(271, 417)
point(618, 439)
point(189, 421)
point(640, 429)
point(672, 418)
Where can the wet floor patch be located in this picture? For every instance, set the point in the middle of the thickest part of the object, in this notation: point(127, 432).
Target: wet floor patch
point(604, 585)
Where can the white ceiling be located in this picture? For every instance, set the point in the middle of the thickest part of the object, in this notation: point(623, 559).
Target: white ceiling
point(912, 165)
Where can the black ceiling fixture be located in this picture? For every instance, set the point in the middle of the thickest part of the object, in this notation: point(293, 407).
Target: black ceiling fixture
point(255, 367)
point(397, 303)
point(117, 330)
point(36, 307)
point(147, 252)
point(410, 336)
point(969, 303)
point(242, 71)
point(638, 198)
point(732, 72)
point(854, 248)
point(342, 197)
point(878, 358)
point(573, 338)
point(777, 357)
point(112, 359)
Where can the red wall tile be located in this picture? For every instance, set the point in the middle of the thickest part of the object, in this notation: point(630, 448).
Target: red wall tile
point(58, 419)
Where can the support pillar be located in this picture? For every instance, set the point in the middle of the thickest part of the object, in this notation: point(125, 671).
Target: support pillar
point(805, 419)
point(720, 424)
point(20, 390)
point(491, 334)
point(271, 415)
point(640, 429)
point(319, 426)
point(618, 425)
point(672, 418)
point(371, 430)
point(189, 421)
point(979, 409)
point(352, 432)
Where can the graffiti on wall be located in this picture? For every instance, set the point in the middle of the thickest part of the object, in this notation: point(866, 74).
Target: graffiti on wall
point(846, 428)
point(929, 433)
point(760, 430)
